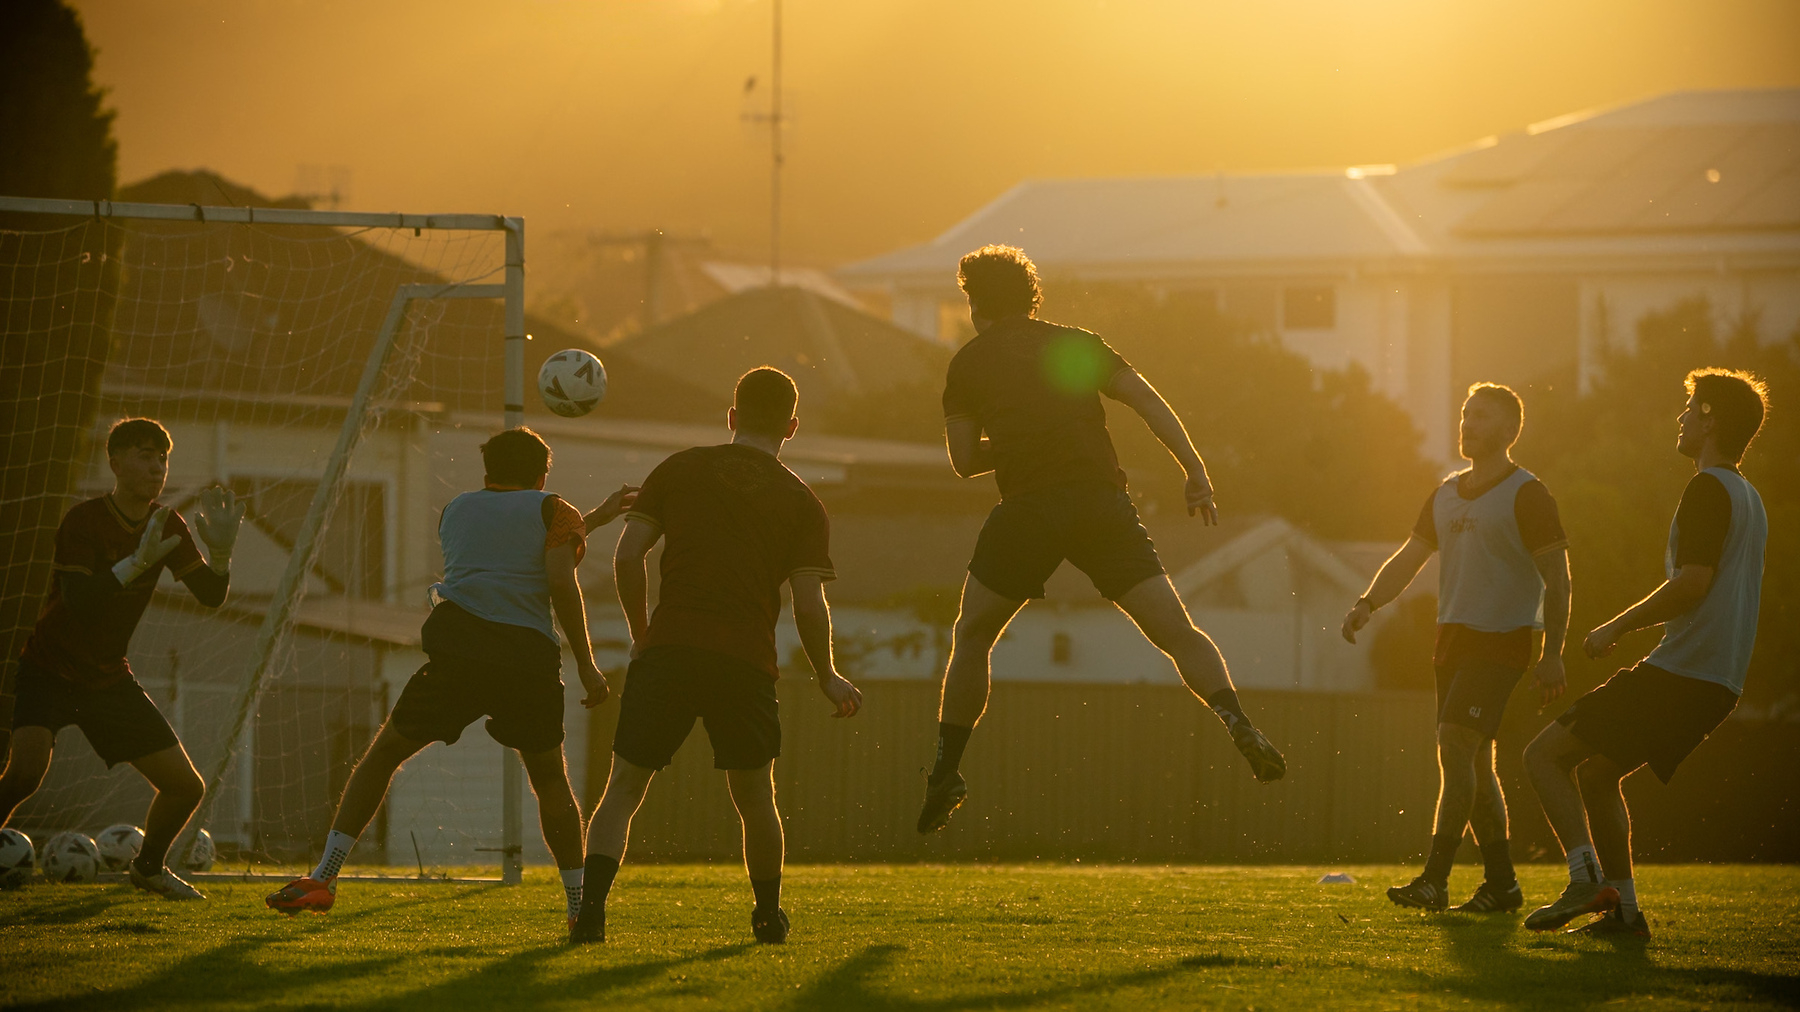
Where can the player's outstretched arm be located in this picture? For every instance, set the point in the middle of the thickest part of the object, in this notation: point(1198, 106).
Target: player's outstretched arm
point(971, 454)
point(609, 510)
point(1675, 597)
point(631, 576)
point(1136, 393)
point(1395, 574)
point(571, 614)
point(217, 521)
point(812, 617)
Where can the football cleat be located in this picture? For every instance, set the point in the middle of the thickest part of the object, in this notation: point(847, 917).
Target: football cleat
point(770, 929)
point(1489, 899)
point(1614, 924)
point(1579, 898)
point(1421, 894)
point(305, 893)
point(941, 799)
point(589, 927)
point(1266, 761)
point(164, 883)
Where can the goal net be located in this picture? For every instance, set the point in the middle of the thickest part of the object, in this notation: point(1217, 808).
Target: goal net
point(250, 342)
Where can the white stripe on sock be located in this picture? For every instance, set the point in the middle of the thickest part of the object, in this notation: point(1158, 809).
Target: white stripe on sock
point(1583, 865)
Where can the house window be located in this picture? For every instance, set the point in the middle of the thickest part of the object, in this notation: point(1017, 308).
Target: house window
point(1059, 648)
point(1310, 308)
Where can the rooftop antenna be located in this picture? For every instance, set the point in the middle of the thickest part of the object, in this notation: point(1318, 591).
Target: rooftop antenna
point(775, 119)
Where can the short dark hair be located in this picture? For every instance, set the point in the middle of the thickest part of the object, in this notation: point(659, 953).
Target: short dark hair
point(765, 400)
point(1736, 400)
point(1503, 397)
point(131, 433)
point(1000, 281)
point(516, 457)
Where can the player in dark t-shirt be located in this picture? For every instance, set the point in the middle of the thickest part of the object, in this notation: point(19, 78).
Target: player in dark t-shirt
point(110, 554)
point(735, 525)
point(1022, 399)
point(1503, 571)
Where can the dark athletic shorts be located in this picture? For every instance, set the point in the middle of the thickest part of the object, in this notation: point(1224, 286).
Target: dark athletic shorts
point(508, 673)
point(1091, 524)
point(667, 687)
point(118, 718)
point(1472, 692)
point(1647, 715)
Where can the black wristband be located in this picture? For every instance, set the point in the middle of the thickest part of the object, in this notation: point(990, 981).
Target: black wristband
point(1365, 600)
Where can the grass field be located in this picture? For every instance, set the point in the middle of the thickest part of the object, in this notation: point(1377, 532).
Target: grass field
point(905, 938)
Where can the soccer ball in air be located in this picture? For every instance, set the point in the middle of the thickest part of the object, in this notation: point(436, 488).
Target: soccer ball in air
point(17, 860)
point(119, 845)
point(200, 853)
point(572, 382)
point(71, 857)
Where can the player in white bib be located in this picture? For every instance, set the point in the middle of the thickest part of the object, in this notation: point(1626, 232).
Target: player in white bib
point(1503, 573)
point(1659, 711)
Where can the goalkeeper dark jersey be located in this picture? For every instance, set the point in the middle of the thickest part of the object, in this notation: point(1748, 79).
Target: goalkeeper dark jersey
point(88, 618)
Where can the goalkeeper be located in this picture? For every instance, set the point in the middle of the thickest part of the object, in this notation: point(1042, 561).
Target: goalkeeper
point(110, 552)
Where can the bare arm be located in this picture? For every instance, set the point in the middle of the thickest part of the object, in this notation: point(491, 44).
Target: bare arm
point(631, 578)
point(1554, 568)
point(812, 619)
point(609, 510)
point(1675, 597)
point(971, 454)
point(571, 614)
point(1393, 578)
point(1136, 393)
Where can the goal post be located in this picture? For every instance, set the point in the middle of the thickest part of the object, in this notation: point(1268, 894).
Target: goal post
point(303, 277)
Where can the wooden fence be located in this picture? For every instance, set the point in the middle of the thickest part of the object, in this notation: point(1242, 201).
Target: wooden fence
point(1060, 771)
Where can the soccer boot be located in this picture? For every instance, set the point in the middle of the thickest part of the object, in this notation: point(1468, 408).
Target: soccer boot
point(942, 798)
point(1490, 899)
point(1579, 898)
point(1420, 893)
point(770, 929)
point(1614, 924)
point(164, 883)
point(305, 893)
point(1266, 761)
point(590, 926)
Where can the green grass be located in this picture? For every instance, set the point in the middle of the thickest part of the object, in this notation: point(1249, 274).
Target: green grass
point(905, 938)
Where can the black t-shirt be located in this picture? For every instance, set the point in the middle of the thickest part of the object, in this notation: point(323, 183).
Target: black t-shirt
point(1035, 389)
point(736, 525)
point(1702, 521)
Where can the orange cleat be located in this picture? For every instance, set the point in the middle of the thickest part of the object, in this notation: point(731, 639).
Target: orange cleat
point(306, 893)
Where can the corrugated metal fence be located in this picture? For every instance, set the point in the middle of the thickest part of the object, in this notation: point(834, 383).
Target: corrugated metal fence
point(1059, 771)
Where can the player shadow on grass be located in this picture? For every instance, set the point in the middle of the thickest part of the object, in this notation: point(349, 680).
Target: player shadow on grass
point(66, 910)
point(1603, 970)
point(517, 981)
point(222, 967)
point(851, 985)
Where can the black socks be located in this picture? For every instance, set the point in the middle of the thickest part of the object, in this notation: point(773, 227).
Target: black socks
point(952, 739)
point(1497, 856)
point(1225, 703)
point(596, 881)
point(768, 893)
point(1443, 856)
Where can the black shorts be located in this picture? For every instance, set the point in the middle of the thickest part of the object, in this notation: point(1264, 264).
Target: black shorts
point(508, 673)
point(667, 687)
point(118, 718)
point(1092, 524)
point(1472, 692)
point(1647, 715)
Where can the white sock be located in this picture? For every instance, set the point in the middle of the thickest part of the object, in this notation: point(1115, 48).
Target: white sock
point(1583, 865)
point(571, 878)
point(1627, 895)
point(337, 851)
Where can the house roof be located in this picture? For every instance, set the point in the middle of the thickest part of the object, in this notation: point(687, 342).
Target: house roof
point(1682, 174)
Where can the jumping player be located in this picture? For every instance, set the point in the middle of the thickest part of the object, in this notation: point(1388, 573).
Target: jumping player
point(1022, 400)
point(110, 553)
point(736, 525)
point(510, 552)
point(1660, 710)
point(1503, 572)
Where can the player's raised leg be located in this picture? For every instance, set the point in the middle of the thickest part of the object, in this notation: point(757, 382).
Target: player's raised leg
point(980, 619)
point(1160, 613)
point(179, 791)
point(753, 792)
point(1551, 760)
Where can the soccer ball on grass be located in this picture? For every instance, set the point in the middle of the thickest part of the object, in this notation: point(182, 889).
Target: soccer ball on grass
point(17, 860)
point(71, 857)
point(572, 382)
point(119, 845)
point(200, 853)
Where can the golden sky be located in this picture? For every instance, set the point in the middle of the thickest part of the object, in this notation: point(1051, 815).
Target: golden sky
point(908, 114)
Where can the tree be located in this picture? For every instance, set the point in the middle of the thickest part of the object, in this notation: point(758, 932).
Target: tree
point(57, 283)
